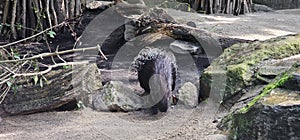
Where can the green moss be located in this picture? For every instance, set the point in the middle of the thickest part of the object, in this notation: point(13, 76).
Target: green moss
point(239, 71)
point(268, 88)
point(237, 124)
point(226, 122)
point(241, 124)
point(252, 53)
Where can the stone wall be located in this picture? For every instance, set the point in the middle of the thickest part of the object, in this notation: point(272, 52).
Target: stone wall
point(280, 4)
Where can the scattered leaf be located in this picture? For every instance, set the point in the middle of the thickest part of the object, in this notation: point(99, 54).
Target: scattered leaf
point(52, 34)
point(36, 68)
point(66, 67)
point(19, 27)
point(45, 79)
point(80, 105)
point(35, 10)
point(15, 89)
point(16, 56)
point(9, 84)
point(35, 79)
point(41, 82)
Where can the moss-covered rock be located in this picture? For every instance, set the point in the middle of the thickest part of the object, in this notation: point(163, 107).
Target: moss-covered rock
point(275, 116)
point(236, 68)
point(269, 111)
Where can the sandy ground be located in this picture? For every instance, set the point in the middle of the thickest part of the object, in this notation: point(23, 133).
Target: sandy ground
point(178, 123)
point(260, 26)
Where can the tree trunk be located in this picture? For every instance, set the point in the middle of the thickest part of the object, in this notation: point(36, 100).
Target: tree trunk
point(26, 17)
point(235, 7)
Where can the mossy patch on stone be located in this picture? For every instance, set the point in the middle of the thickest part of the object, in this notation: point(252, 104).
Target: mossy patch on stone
point(267, 89)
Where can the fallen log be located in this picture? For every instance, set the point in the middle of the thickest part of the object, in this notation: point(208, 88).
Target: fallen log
point(62, 86)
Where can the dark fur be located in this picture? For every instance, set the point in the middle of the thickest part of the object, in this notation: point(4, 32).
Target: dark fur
point(155, 61)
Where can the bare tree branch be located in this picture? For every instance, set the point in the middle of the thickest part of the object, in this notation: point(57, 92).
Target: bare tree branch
point(7, 69)
point(33, 36)
point(50, 67)
point(43, 55)
point(99, 48)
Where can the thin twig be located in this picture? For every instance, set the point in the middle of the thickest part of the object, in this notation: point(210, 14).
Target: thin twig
point(50, 68)
point(4, 94)
point(8, 69)
point(49, 48)
point(76, 41)
point(42, 55)
point(35, 35)
point(59, 55)
point(99, 48)
point(71, 29)
point(4, 81)
point(9, 73)
point(4, 75)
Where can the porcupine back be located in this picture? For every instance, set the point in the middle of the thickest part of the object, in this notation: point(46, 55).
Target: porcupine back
point(158, 75)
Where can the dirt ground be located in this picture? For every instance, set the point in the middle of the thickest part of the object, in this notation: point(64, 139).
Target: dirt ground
point(260, 25)
point(178, 123)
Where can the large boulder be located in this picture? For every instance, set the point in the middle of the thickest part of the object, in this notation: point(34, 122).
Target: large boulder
point(270, 105)
point(275, 116)
point(236, 68)
point(116, 96)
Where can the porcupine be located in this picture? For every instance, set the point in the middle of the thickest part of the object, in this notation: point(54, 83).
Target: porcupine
point(158, 75)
